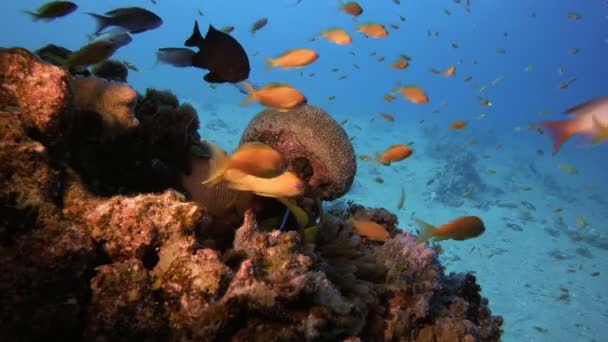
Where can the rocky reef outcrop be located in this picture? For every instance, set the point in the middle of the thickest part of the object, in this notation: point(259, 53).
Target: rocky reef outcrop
point(100, 239)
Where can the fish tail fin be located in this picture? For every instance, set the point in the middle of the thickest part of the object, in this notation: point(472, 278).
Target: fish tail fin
point(379, 160)
point(251, 92)
point(427, 230)
point(560, 132)
point(218, 163)
point(102, 21)
point(34, 15)
point(270, 63)
point(196, 39)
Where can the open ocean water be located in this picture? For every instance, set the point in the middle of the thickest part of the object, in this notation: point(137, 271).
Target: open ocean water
point(542, 260)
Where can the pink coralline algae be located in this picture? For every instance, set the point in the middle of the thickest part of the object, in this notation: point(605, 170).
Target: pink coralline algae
point(111, 247)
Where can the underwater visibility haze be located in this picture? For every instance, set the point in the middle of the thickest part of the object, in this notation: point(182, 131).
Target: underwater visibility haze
point(480, 126)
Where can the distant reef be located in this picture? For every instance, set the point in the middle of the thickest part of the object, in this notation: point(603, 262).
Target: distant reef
point(107, 235)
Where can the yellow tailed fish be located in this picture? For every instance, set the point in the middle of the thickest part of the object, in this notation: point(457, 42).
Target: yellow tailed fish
point(299, 213)
point(286, 184)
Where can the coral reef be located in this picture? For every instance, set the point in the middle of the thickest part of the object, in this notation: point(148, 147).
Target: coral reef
point(111, 253)
point(459, 179)
point(113, 101)
point(314, 144)
point(42, 99)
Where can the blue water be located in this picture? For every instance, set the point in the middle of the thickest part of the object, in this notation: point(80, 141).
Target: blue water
point(514, 267)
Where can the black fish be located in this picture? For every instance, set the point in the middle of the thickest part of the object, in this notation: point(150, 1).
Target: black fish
point(133, 19)
point(221, 54)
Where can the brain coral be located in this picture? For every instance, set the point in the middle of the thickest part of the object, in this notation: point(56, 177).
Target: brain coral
point(315, 145)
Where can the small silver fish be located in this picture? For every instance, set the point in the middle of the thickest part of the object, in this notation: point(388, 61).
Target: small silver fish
point(178, 57)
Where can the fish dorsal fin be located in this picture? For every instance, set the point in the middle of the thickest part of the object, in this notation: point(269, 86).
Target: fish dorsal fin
point(275, 85)
point(196, 39)
point(587, 106)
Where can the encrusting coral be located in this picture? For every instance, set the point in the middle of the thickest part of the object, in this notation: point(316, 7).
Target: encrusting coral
point(91, 253)
point(114, 101)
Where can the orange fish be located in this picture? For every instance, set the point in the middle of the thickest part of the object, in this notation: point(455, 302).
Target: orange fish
point(413, 93)
point(251, 157)
point(400, 64)
point(295, 58)
point(370, 229)
point(257, 159)
point(337, 36)
point(462, 228)
point(372, 30)
point(351, 7)
point(286, 184)
point(387, 117)
point(449, 71)
point(458, 125)
point(275, 95)
point(394, 153)
point(589, 118)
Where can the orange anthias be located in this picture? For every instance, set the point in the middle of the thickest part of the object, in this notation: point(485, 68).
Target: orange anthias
point(449, 71)
point(589, 118)
point(458, 125)
point(275, 95)
point(370, 229)
point(400, 64)
point(462, 228)
point(395, 153)
point(295, 58)
point(351, 8)
point(413, 93)
point(372, 30)
point(257, 159)
point(337, 36)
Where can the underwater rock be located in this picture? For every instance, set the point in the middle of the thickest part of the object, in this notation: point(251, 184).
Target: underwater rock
point(132, 227)
point(40, 90)
point(114, 101)
point(123, 306)
point(25, 204)
point(316, 147)
point(111, 70)
point(44, 259)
